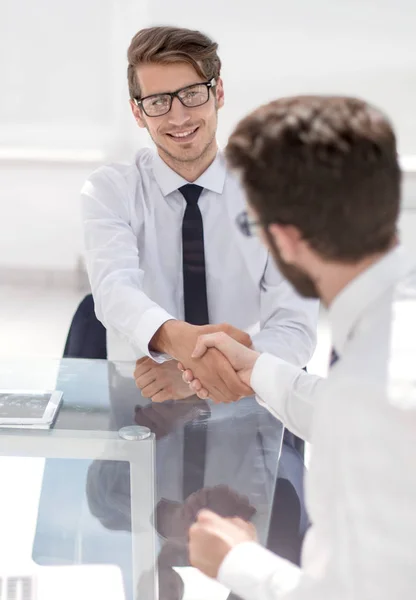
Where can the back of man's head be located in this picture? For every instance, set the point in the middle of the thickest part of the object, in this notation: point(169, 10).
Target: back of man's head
point(326, 165)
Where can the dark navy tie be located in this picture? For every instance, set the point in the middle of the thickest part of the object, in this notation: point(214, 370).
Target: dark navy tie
point(196, 313)
point(193, 258)
point(334, 358)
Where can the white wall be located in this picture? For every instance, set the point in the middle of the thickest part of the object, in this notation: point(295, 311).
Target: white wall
point(64, 97)
point(63, 111)
point(40, 220)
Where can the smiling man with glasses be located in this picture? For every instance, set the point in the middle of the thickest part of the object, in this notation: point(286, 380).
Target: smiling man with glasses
point(164, 258)
point(161, 255)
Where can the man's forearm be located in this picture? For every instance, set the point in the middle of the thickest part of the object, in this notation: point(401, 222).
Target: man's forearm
point(169, 338)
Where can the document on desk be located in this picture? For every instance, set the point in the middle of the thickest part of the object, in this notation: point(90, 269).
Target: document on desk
point(200, 587)
point(29, 409)
point(84, 582)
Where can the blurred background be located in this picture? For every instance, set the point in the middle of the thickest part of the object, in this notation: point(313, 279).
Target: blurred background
point(64, 111)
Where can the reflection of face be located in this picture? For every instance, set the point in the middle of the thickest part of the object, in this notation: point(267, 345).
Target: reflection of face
point(199, 123)
point(303, 284)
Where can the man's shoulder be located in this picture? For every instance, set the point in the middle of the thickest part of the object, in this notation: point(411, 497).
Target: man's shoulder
point(402, 355)
point(405, 289)
point(123, 173)
point(384, 353)
point(403, 320)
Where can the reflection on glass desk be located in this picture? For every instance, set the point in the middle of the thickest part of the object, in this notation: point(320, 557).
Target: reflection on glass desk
point(83, 494)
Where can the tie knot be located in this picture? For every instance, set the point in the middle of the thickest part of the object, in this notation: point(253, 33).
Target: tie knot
point(191, 193)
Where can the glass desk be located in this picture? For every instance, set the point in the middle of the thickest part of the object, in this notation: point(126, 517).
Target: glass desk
point(117, 481)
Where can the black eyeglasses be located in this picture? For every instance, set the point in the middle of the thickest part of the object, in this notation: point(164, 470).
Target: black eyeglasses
point(190, 96)
point(246, 225)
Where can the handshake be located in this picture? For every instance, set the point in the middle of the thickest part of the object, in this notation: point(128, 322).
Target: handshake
point(211, 361)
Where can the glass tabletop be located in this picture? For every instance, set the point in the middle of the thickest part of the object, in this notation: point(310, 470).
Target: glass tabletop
point(118, 480)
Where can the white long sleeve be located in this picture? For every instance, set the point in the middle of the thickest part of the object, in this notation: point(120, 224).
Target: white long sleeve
point(288, 392)
point(253, 572)
point(113, 264)
point(361, 483)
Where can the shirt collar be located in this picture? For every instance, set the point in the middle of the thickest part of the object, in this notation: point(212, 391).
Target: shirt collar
point(168, 180)
point(361, 292)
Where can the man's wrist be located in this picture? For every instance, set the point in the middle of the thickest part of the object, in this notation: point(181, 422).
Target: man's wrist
point(165, 338)
point(246, 374)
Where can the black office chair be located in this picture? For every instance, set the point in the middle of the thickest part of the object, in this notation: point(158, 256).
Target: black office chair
point(86, 336)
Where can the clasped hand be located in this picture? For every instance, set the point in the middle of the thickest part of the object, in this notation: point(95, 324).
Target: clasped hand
point(214, 374)
point(241, 358)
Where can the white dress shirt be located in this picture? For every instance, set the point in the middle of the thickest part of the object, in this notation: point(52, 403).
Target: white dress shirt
point(361, 486)
point(132, 223)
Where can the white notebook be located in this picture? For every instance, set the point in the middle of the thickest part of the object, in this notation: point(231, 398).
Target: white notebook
point(29, 409)
point(80, 582)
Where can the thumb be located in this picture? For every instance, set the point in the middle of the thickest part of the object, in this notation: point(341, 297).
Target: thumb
point(210, 340)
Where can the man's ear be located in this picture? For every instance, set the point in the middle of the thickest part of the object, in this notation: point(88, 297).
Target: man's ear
point(137, 114)
point(219, 93)
point(287, 239)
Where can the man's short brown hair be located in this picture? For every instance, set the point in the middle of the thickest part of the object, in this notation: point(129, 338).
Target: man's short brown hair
point(166, 45)
point(327, 165)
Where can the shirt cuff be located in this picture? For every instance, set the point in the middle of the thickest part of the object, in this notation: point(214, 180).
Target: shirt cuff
point(265, 372)
point(149, 323)
point(272, 379)
point(253, 572)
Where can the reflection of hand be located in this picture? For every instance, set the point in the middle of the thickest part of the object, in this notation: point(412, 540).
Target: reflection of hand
point(160, 382)
point(241, 358)
point(220, 499)
point(162, 418)
point(174, 519)
point(215, 373)
point(211, 538)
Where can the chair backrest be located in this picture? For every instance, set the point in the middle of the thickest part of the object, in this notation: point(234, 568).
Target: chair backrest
point(86, 336)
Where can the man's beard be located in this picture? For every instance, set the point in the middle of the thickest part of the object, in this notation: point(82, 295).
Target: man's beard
point(303, 284)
